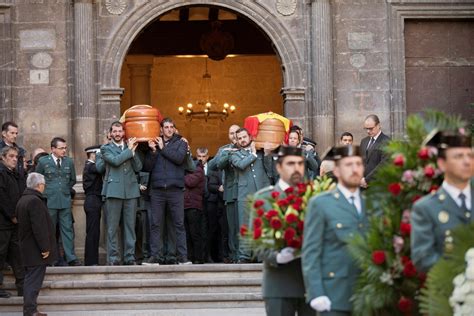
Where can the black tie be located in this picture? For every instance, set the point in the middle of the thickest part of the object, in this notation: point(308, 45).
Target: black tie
point(464, 208)
point(371, 142)
point(58, 163)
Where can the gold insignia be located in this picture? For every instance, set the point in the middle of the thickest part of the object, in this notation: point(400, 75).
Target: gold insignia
point(331, 274)
point(468, 215)
point(448, 239)
point(336, 195)
point(339, 225)
point(443, 217)
point(447, 233)
point(448, 247)
point(442, 197)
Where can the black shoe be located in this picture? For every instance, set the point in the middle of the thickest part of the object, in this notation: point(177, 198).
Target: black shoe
point(244, 261)
point(151, 261)
point(184, 262)
point(4, 294)
point(114, 263)
point(130, 263)
point(75, 263)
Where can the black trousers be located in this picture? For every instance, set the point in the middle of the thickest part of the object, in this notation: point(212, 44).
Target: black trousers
point(216, 231)
point(287, 306)
point(193, 222)
point(33, 280)
point(10, 252)
point(93, 208)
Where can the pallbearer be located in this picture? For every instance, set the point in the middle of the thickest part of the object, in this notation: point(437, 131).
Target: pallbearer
point(332, 219)
point(435, 215)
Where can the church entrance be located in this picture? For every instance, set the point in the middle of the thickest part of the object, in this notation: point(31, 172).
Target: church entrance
point(203, 58)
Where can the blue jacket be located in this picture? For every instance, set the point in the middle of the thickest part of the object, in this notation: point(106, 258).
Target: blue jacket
point(167, 165)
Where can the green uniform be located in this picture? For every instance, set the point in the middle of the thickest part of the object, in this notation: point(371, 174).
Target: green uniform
point(283, 286)
point(59, 182)
point(222, 162)
point(433, 217)
point(328, 268)
point(251, 177)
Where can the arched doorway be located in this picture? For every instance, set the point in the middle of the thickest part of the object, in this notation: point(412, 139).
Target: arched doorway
point(167, 65)
point(292, 73)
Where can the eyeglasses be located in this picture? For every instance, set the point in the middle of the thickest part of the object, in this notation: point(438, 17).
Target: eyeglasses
point(61, 148)
point(370, 128)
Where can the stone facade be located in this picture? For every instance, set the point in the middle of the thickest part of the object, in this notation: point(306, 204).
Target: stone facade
point(61, 61)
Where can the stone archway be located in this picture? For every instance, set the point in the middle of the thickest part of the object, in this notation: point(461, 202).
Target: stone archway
point(291, 58)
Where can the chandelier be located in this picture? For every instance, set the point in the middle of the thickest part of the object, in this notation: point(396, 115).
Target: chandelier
point(207, 107)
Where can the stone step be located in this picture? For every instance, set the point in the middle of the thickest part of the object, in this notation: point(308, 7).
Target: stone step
point(137, 302)
point(148, 286)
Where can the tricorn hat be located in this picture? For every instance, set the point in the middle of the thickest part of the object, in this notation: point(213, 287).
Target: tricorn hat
point(284, 150)
point(336, 153)
point(92, 149)
point(447, 139)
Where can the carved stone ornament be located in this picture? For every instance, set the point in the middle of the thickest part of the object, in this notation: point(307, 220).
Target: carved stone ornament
point(116, 7)
point(286, 7)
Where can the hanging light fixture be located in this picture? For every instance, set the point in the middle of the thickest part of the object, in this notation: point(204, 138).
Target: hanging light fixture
point(206, 107)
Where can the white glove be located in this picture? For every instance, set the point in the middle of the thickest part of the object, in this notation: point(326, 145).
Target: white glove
point(321, 304)
point(285, 255)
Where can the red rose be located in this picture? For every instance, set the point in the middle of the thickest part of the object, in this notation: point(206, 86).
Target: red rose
point(291, 218)
point(289, 233)
point(257, 233)
point(243, 230)
point(405, 229)
point(275, 194)
point(275, 223)
point(409, 270)
point(271, 213)
point(300, 226)
point(290, 197)
point(416, 198)
point(423, 153)
point(296, 206)
point(399, 160)
point(395, 188)
point(301, 187)
point(429, 172)
point(289, 190)
point(295, 243)
point(299, 200)
point(405, 304)
point(257, 222)
point(283, 203)
point(258, 203)
point(434, 187)
point(260, 212)
point(405, 259)
point(378, 257)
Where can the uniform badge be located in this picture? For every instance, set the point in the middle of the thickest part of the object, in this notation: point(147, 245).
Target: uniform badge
point(443, 217)
point(442, 197)
point(336, 195)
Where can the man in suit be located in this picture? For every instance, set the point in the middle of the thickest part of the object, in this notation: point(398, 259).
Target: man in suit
point(372, 148)
point(252, 169)
point(60, 175)
point(92, 174)
point(11, 189)
point(434, 216)
point(37, 240)
point(9, 136)
point(332, 219)
point(283, 286)
point(121, 191)
point(222, 162)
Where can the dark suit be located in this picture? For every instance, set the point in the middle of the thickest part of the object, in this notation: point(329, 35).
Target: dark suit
point(59, 182)
point(433, 218)
point(328, 269)
point(92, 185)
point(282, 286)
point(37, 234)
point(373, 156)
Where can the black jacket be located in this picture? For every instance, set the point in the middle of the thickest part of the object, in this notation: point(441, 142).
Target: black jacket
point(11, 188)
point(35, 229)
point(167, 166)
point(214, 181)
point(374, 156)
point(91, 179)
point(20, 167)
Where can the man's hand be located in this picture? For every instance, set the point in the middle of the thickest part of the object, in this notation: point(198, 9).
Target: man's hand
point(14, 220)
point(143, 187)
point(160, 143)
point(45, 254)
point(267, 148)
point(285, 255)
point(309, 147)
point(363, 183)
point(132, 144)
point(221, 188)
point(321, 304)
point(252, 147)
point(152, 145)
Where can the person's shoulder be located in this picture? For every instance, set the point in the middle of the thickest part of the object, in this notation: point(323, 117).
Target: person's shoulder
point(265, 191)
point(44, 159)
point(427, 201)
point(331, 195)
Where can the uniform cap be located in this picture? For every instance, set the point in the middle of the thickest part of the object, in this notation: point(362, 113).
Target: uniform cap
point(336, 153)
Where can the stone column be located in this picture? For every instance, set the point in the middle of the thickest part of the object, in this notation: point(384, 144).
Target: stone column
point(295, 107)
point(140, 83)
point(6, 63)
point(84, 109)
point(322, 77)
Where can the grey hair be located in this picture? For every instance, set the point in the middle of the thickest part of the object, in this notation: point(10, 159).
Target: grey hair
point(34, 180)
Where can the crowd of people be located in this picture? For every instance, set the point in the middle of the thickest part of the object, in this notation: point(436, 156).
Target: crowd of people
point(162, 206)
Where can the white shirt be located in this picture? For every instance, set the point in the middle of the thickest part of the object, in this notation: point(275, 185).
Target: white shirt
point(454, 193)
point(120, 144)
point(347, 194)
point(56, 159)
point(283, 185)
point(375, 139)
point(205, 169)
